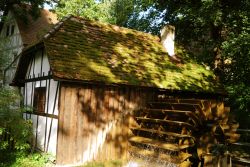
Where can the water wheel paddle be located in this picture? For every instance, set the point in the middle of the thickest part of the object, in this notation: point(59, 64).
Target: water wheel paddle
point(181, 131)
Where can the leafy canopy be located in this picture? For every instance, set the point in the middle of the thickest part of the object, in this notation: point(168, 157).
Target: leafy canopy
point(215, 31)
point(92, 9)
point(6, 5)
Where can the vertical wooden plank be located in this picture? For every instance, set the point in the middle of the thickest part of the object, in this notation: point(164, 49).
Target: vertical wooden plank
point(60, 139)
point(99, 100)
point(110, 117)
point(105, 119)
point(73, 126)
point(93, 104)
point(83, 124)
point(126, 109)
point(101, 121)
point(121, 123)
point(79, 131)
point(60, 148)
point(65, 129)
point(88, 131)
point(116, 103)
point(111, 120)
point(116, 130)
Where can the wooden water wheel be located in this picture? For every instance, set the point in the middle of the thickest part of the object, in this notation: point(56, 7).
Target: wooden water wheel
point(181, 131)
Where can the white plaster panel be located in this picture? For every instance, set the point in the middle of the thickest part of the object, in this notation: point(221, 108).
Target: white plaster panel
point(41, 132)
point(52, 97)
point(46, 66)
point(28, 99)
point(52, 138)
point(34, 122)
point(29, 72)
point(40, 84)
point(38, 61)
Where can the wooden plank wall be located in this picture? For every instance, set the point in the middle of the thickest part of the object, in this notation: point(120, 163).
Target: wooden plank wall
point(94, 121)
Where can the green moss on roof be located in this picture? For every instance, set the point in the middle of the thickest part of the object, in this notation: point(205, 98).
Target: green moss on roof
point(92, 51)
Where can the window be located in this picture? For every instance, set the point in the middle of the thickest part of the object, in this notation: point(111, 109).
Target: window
point(7, 30)
point(39, 99)
point(12, 29)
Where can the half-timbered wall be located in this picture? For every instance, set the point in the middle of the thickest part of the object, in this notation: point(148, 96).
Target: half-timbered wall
point(94, 120)
point(44, 123)
point(10, 45)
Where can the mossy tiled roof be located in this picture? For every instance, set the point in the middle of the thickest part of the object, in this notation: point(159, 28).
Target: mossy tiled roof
point(92, 51)
point(32, 31)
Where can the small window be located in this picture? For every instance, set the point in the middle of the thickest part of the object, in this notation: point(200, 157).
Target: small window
point(7, 31)
point(12, 29)
point(39, 99)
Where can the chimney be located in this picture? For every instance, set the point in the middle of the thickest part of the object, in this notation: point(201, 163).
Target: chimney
point(167, 38)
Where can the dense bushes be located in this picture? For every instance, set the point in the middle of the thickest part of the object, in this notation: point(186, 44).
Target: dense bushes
point(15, 132)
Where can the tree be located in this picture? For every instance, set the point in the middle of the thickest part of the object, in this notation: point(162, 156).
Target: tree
point(101, 10)
point(236, 50)
point(6, 5)
point(215, 32)
point(203, 23)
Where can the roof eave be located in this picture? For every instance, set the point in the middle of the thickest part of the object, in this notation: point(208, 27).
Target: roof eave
point(219, 92)
point(24, 57)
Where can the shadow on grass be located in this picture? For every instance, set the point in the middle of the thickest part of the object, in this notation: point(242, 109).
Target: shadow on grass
point(114, 163)
point(23, 159)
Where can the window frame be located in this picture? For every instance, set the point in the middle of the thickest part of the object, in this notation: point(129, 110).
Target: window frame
point(7, 31)
point(39, 99)
point(12, 29)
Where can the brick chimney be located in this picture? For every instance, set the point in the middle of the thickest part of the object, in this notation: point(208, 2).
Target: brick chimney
point(167, 38)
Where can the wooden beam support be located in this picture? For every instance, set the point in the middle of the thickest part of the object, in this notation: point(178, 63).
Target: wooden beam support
point(45, 115)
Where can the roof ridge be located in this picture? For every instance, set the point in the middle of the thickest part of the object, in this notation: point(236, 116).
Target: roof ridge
point(113, 25)
point(56, 27)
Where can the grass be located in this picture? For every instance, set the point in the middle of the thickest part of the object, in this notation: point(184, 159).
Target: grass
point(114, 163)
point(24, 159)
point(37, 159)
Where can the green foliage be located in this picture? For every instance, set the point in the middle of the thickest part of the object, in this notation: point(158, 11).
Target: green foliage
point(236, 50)
point(95, 10)
point(22, 13)
point(211, 30)
point(202, 25)
point(24, 159)
point(114, 163)
point(14, 131)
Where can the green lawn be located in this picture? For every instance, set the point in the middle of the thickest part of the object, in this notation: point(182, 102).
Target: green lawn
point(23, 159)
point(36, 159)
point(114, 163)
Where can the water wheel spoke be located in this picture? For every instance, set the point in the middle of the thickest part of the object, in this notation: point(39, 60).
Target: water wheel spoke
point(181, 113)
point(182, 126)
point(162, 132)
point(158, 144)
point(160, 121)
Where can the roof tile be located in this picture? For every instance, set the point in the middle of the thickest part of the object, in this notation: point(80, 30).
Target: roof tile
point(92, 51)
